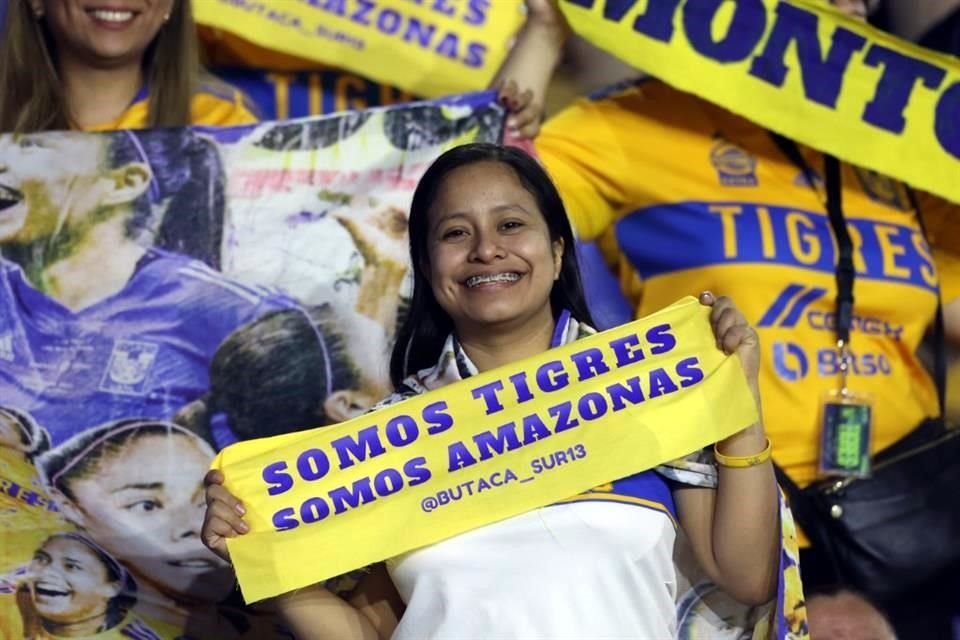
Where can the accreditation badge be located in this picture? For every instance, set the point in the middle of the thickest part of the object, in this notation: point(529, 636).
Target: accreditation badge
point(846, 419)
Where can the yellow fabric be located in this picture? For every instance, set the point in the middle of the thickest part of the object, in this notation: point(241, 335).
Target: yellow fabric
point(802, 68)
point(619, 159)
point(225, 49)
point(213, 106)
point(303, 469)
point(27, 517)
point(428, 48)
point(11, 627)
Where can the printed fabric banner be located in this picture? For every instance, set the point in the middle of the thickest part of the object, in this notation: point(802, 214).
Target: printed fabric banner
point(167, 293)
point(527, 435)
point(427, 47)
point(802, 69)
point(164, 293)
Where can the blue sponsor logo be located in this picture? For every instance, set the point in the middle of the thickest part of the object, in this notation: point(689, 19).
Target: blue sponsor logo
point(827, 321)
point(790, 307)
point(792, 363)
point(789, 361)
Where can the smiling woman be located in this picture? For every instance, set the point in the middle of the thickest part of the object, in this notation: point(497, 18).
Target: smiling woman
point(108, 64)
point(496, 281)
point(135, 486)
point(73, 588)
point(491, 262)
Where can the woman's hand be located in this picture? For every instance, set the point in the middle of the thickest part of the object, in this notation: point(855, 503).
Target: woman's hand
point(525, 114)
point(523, 78)
point(224, 516)
point(546, 14)
point(734, 531)
point(734, 334)
point(378, 231)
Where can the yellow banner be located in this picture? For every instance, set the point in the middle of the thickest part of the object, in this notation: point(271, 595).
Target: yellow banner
point(523, 436)
point(802, 69)
point(428, 47)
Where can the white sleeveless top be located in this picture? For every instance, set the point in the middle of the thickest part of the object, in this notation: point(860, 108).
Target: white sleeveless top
point(584, 570)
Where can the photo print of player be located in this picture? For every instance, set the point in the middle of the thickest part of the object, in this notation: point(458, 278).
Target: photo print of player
point(164, 293)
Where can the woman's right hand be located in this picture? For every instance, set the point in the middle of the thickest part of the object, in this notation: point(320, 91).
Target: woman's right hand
point(224, 516)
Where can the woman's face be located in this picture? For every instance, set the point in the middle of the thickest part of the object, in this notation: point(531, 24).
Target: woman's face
point(49, 182)
point(68, 582)
point(491, 260)
point(144, 504)
point(105, 34)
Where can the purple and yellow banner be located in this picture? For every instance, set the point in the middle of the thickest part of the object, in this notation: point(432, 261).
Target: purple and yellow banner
point(427, 47)
point(800, 68)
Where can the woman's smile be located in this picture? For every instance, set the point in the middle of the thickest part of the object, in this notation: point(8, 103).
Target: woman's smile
point(492, 281)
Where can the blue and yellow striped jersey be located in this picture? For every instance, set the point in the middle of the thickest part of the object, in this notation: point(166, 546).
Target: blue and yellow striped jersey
point(684, 197)
point(215, 104)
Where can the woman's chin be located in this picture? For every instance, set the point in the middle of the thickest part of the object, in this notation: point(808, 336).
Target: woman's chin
point(492, 317)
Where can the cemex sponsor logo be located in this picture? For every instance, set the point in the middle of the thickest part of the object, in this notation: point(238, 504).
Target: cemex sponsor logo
point(791, 306)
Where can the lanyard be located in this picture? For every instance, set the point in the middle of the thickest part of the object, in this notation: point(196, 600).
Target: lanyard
point(845, 272)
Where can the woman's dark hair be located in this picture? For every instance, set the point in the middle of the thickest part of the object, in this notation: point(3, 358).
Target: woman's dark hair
point(187, 184)
point(81, 456)
point(273, 375)
point(126, 598)
point(33, 437)
point(182, 208)
point(426, 326)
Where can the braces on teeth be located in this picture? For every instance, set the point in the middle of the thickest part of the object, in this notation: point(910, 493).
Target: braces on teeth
point(500, 277)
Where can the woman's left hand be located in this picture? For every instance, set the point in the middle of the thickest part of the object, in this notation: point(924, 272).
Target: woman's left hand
point(733, 333)
point(524, 113)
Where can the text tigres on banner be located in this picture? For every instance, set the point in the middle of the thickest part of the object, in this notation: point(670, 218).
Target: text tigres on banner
point(428, 47)
point(802, 69)
point(522, 437)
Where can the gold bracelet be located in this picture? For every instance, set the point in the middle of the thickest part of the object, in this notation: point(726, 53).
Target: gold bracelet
point(742, 462)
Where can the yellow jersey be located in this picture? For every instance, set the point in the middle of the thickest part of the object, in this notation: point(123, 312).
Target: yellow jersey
point(215, 104)
point(286, 86)
point(684, 196)
point(27, 514)
point(11, 626)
